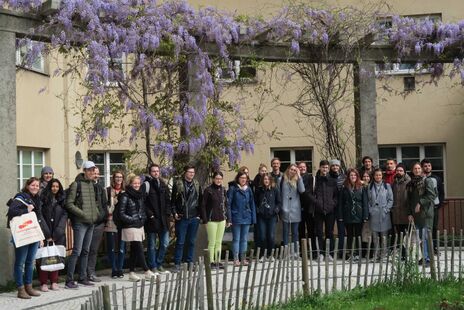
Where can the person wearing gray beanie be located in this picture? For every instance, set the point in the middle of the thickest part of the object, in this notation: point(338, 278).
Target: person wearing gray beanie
point(46, 174)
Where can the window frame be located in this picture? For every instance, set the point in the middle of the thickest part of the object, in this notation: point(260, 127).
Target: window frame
point(106, 174)
point(41, 59)
point(19, 163)
point(399, 155)
point(293, 156)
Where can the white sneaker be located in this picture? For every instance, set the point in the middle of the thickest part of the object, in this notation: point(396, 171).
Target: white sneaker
point(330, 258)
point(133, 277)
point(320, 258)
point(149, 274)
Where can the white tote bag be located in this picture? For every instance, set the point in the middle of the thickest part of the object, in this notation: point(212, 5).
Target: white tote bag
point(51, 257)
point(26, 229)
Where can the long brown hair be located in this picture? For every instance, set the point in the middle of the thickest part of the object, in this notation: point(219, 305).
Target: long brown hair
point(357, 184)
point(113, 183)
point(271, 180)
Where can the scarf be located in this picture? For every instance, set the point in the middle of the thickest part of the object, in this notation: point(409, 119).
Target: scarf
point(417, 183)
point(134, 193)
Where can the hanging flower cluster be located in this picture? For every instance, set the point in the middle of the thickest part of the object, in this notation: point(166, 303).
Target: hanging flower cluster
point(158, 37)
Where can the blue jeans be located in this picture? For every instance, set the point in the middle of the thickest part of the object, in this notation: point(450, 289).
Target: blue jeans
point(24, 260)
point(82, 240)
point(186, 232)
point(240, 239)
point(286, 229)
point(112, 239)
point(266, 227)
point(156, 256)
point(423, 234)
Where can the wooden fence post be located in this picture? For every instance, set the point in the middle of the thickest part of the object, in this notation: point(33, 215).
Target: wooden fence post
point(431, 254)
point(209, 281)
point(106, 297)
point(304, 252)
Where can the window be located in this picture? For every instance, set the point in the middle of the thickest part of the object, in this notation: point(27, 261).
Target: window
point(401, 68)
point(21, 52)
point(408, 154)
point(289, 156)
point(107, 162)
point(116, 68)
point(242, 71)
point(30, 164)
point(409, 83)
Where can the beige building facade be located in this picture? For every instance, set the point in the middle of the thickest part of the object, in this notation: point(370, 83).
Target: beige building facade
point(428, 122)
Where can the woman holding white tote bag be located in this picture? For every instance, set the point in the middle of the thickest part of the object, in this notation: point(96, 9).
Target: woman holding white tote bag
point(56, 217)
point(25, 202)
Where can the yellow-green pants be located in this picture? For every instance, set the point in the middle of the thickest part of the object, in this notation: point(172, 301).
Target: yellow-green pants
point(215, 231)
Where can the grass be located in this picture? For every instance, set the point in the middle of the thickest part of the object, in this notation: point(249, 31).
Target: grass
point(425, 294)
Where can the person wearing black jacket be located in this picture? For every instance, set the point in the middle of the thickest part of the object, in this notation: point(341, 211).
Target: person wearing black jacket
point(307, 208)
point(55, 217)
point(213, 213)
point(131, 208)
point(186, 198)
point(24, 202)
point(325, 202)
point(353, 207)
point(268, 203)
point(158, 209)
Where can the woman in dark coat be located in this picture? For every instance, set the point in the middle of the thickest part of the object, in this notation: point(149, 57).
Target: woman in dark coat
point(421, 195)
point(268, 203)
point(24, 202)
point(131, 208)
point(353, 207)
point(55, 217)
point(213, 212)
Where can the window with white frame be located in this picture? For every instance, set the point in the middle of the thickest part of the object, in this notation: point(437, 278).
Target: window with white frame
point(39, 62)
point(30, 163)
point(116, 66)
point(288, 156)
point(408, 154)
point(107, 162)
point(242, 70)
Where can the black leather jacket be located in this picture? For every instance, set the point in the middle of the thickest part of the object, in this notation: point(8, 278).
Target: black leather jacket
point(132, 209)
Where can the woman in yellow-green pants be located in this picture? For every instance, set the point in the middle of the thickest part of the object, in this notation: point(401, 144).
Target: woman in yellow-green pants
point(214, 215)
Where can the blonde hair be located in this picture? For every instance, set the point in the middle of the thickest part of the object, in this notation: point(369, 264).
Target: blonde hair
point(131, 177)
point(261, 165)
point(292, 181)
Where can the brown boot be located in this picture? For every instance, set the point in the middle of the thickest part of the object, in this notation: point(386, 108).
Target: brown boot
point(30, 291)
point(22, 293)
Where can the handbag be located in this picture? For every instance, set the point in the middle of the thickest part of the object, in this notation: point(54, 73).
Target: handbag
point(25, 229)
point(412, 242)
point(51, 257)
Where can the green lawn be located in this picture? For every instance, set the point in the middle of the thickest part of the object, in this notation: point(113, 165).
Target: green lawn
point(425, 295)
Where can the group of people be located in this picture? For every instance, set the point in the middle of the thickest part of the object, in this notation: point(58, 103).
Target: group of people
point(135, 208)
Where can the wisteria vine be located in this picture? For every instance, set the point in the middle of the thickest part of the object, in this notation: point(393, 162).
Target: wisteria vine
point(108, 29)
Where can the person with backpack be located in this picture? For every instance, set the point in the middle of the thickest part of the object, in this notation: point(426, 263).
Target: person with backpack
point(268, 202)
point(131, 211)
point(56, 218)
point(99, 227)
point(213, 212)
point(24, 202)
point(158, 208)
point(186, 198)
point(380, 197)
point(84, 210)
point(242, 213)
point(114, 244)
